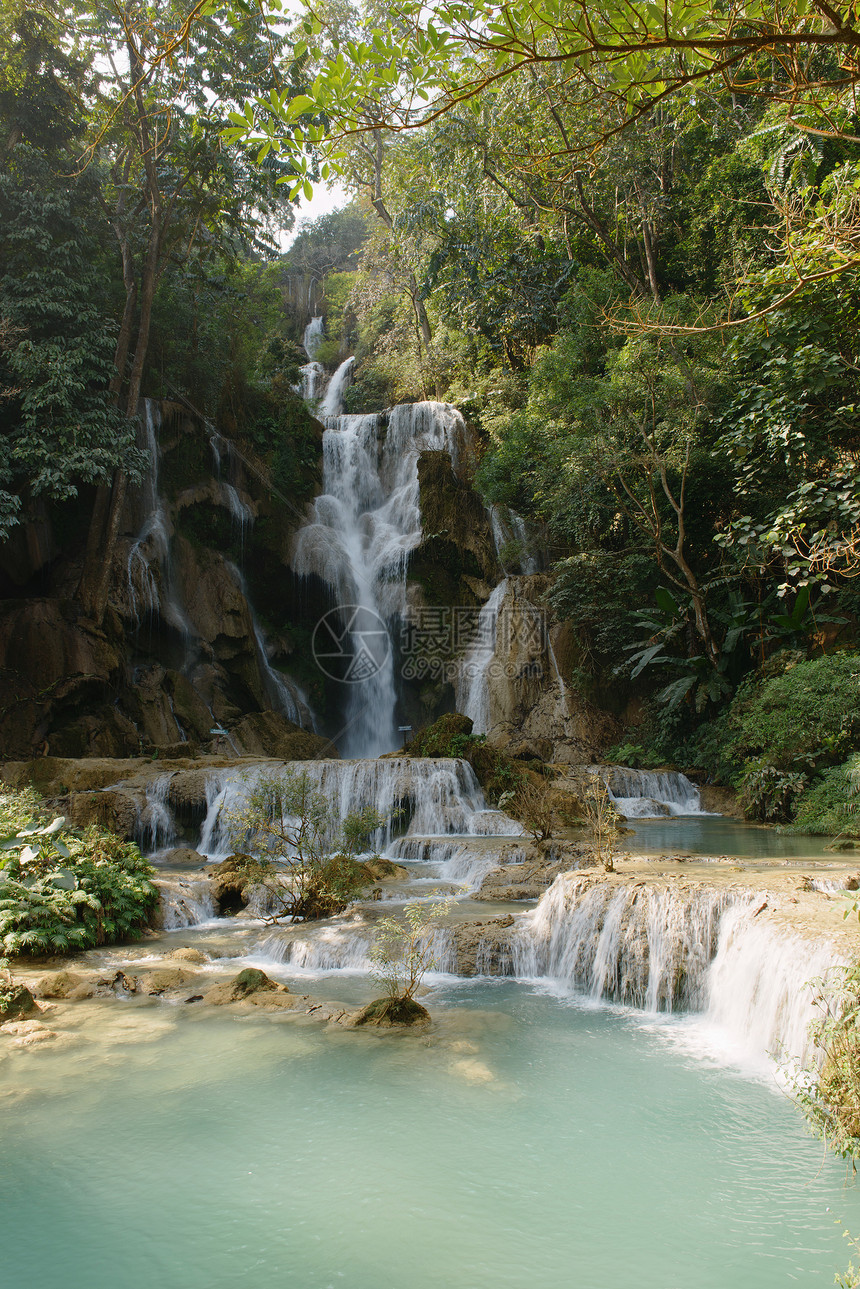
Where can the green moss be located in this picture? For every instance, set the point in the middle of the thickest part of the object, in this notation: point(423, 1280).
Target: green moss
point(392, 1011)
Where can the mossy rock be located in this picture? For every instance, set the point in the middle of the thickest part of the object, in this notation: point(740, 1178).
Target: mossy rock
point(435, 739)
point(15, 1002)
point(389, 1012)
point(247, 985)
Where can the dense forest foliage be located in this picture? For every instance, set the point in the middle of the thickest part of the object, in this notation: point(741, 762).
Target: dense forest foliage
point(643, 294)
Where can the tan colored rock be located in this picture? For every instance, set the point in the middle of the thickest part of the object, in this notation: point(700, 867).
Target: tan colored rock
point(27, 1033)
point(182, 857)
point(230, 885)
point(59, 984)
point(271, 734)
point(484, 947)
point(249, 986)
point(162, 980)
point(381, 870)
point(187, 954)
point(109, 808)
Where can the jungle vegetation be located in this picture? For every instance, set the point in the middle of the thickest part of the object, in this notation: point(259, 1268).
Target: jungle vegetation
point(624, 243)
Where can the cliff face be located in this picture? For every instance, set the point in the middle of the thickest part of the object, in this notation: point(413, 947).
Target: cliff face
point(181, 652)
point(206, 643)
point(532, 710)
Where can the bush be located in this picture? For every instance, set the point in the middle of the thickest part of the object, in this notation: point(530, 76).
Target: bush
point(303, 853)
point(829, 804)
point(451, 735)
point(805, 718)
point(768, 794)
point(62, 890)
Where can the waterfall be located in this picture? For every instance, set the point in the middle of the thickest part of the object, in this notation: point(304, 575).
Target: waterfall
point(472, 683)
point(312, 372)
point(358, 540)
point(156, 828)
point(240, 513)
point(423, 798)
point(185, 902)
point(286, 696)
point(342, 948)
point(649, 794)
point(758, 984)
point(332, 403)
point(152, 544)
point(313, 337)
point(634, 944)
point(461, 862)
point(507, 527)
point(671, 948)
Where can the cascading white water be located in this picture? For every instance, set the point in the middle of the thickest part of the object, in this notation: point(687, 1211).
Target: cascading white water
point(472, 683)
point(332, 403)
point(285, 695)
point(362, 530)
point(240, 512)
point(156, 828)
point(695, 949)
point(760, 984)
point(423, 798)
point(462, 862)
point(185, 902)
point(152, 545)
point(650, 794)
point(312, 372)
point(633, 944)
point(507, 527)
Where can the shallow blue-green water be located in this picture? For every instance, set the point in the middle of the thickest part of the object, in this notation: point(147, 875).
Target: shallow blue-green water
point(720, 835)
point(529, 1143)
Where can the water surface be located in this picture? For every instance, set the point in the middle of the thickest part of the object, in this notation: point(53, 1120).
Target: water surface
point(530, 1142)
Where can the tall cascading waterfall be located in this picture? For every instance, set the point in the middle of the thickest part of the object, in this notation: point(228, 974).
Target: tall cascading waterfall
point(286, 696)
point(159, 596)
point(650, 794)
point(313, 372)
point(362, 530)
point(151, 547)
point(332, 403)
point(472, 683)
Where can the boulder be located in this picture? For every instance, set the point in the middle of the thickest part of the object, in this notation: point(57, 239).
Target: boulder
point(230, 885)
point(484, 948)
point(248, 986)
point(388, 1013)
point(16, 1001)
point(161, 981)
point(187, 954)
point(271, 734)
point(182, 857)
point(59, 984)
point(111, 808)
point(379, 869)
